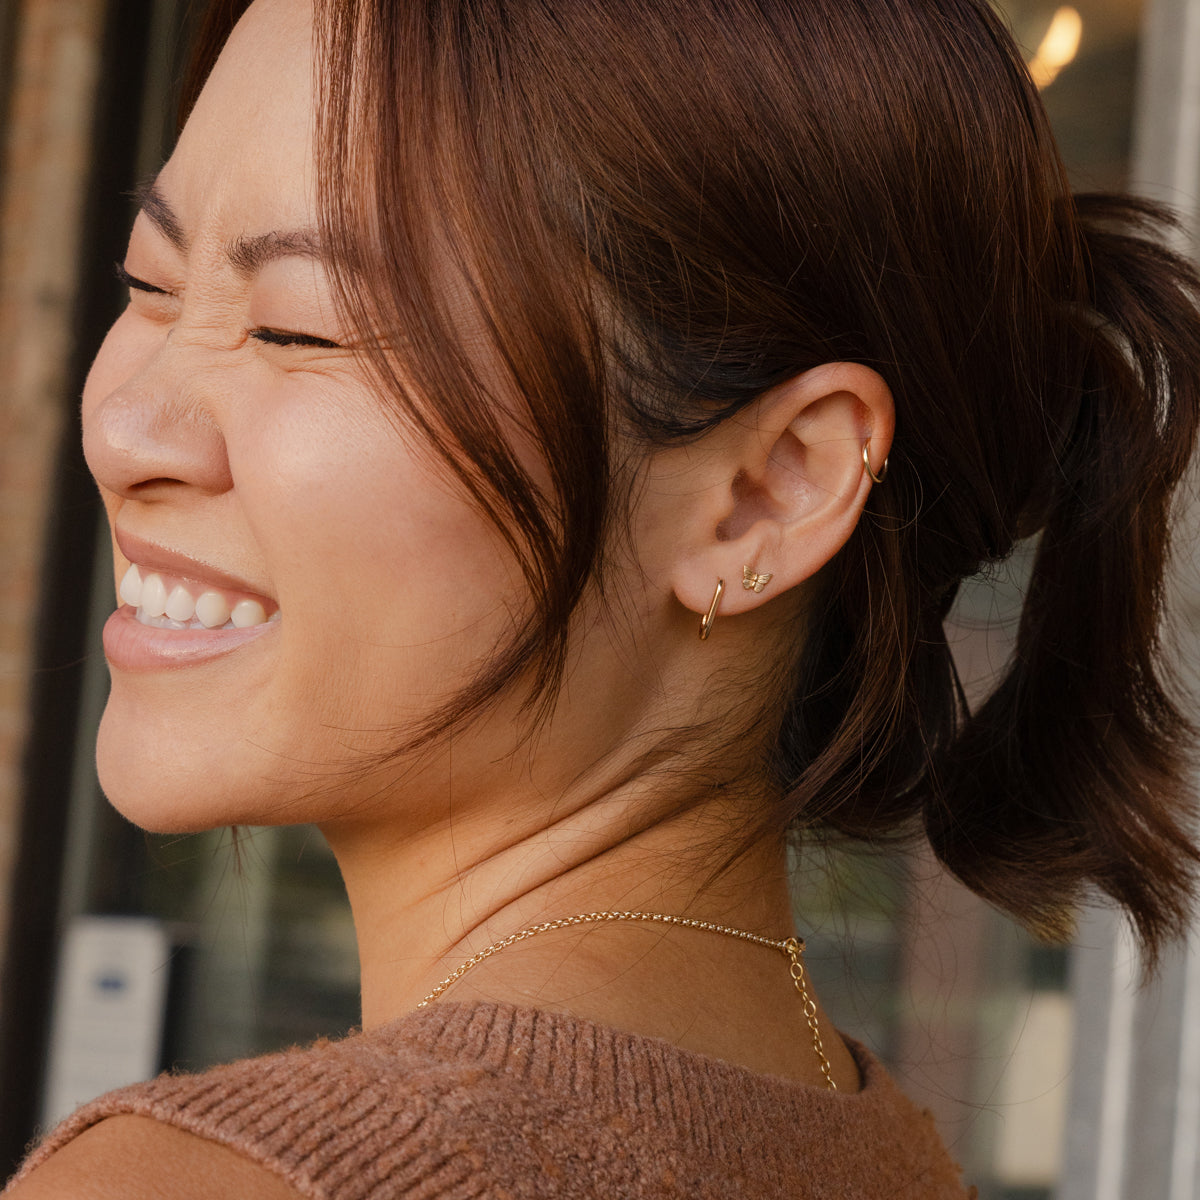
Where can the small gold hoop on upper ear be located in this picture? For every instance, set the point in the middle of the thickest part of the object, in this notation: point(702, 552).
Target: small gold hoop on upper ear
point(867, 464)
point(706, 621)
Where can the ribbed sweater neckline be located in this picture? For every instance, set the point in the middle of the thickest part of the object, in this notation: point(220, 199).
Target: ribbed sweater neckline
point(684, 1093)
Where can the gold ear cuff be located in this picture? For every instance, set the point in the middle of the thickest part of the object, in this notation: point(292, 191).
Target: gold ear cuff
point(867, 464)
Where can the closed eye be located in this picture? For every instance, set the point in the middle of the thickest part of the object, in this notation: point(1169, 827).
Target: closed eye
point(277, 337)
point(271, 337)
point(138, 285)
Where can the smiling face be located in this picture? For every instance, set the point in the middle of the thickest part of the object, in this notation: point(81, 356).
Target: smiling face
point(322, 581)
point(302, 578)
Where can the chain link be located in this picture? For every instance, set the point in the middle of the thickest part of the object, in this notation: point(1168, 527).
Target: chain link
point(792, 948)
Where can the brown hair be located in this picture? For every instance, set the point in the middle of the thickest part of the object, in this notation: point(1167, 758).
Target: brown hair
point(662, 208)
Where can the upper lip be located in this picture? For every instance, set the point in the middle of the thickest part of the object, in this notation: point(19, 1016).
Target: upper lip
point(149, 556)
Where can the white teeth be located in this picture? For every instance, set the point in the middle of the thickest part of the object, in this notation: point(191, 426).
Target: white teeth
point(180, 605)
point(131, 587)
point(154, 596)
point(248, 612)
point(180, 610)
point(212, 609)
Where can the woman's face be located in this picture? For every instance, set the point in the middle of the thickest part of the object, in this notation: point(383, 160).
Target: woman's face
point(247, 469)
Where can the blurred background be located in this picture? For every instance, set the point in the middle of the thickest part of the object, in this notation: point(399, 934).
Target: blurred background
point(1050, 1072)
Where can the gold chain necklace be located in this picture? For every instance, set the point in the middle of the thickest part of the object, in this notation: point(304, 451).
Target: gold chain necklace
point(792, 947)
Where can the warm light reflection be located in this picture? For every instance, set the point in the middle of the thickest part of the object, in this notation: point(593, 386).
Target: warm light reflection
point(1058, 47)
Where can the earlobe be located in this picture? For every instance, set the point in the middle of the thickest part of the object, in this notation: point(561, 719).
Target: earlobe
point(787, 479)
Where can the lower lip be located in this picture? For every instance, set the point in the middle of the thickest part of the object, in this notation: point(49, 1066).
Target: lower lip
point(131, 646)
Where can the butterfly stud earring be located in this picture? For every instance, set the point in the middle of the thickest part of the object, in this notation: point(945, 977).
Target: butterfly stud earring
point(753, 582)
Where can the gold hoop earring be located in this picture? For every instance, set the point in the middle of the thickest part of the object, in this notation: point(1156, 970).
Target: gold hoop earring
point(754, 583)
point(706, 621)
point(867, 464)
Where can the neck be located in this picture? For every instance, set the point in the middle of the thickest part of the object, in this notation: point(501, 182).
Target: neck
point(423, 904)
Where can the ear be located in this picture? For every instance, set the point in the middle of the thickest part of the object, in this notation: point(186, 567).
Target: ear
point(777, 489)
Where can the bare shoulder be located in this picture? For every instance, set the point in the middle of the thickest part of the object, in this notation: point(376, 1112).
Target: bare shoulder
point(136, 1158)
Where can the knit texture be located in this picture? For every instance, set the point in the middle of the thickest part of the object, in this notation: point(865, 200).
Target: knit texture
point(460, 1101)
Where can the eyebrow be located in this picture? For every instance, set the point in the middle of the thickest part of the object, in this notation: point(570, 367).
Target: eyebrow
point(247, 254)
point(160, 214)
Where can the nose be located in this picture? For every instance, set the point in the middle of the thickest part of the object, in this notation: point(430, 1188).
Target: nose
point(149, 436)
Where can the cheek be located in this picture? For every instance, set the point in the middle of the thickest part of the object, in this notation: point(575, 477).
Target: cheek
point(371, 546)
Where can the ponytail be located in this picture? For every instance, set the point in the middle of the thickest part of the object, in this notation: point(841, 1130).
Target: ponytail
point(1076, 765)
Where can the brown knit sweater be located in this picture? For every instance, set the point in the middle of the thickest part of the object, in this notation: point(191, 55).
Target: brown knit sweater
point(488, 1100)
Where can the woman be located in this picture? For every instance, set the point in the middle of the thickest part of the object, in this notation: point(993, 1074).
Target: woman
point(541, 448)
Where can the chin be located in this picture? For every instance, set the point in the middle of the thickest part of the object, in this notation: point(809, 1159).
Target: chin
point(167, 783)
point(147, 793)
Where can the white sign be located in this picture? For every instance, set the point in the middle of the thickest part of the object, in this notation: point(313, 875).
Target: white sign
point(109, 1004)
